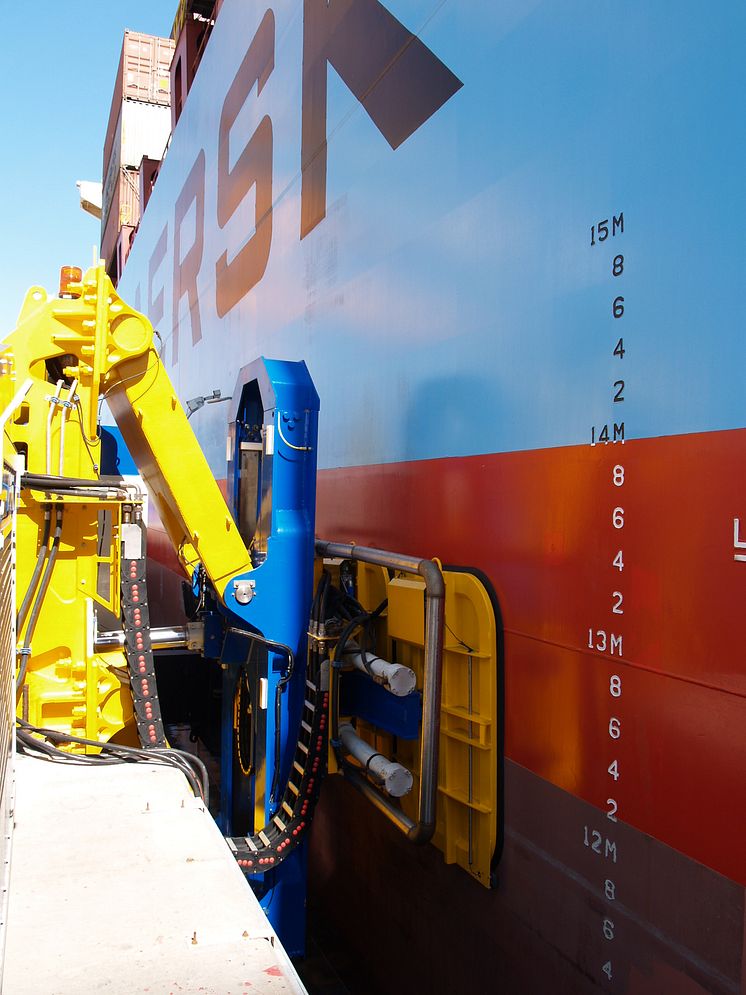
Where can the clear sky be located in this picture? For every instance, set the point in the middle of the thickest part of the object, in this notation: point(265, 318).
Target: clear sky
point(59, 66)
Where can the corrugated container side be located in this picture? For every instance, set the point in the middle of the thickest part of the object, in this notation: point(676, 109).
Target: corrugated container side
point(147, 61)
point(142, 130)
point(124, 209)
point(111, 170)
point(143, 74)
point(116, 105)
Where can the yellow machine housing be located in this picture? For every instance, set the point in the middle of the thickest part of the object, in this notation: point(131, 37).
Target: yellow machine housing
point(66, 355)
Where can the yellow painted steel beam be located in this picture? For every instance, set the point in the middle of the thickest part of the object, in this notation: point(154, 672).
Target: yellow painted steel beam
point(180, 483)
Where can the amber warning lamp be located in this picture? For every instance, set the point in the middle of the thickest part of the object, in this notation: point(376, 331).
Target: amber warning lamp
point(70, 277)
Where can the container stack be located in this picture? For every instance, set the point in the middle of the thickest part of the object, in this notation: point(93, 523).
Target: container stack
point(191, 29)
point(139, 127)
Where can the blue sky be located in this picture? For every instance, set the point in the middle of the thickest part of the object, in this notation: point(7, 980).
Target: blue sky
point(58, 75)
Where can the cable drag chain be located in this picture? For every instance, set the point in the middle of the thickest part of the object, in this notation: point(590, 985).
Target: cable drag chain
point(139, 652)
point(277, 840)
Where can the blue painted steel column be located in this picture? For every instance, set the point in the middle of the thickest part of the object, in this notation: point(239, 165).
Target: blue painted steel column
point(279, 609)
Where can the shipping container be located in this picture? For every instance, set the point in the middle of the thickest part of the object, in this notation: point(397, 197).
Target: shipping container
point(124, 209)
point(143, 75)
point(142, 130)
point(204, 9)
point(148, 175)
point(122, 247)
point(191, 41)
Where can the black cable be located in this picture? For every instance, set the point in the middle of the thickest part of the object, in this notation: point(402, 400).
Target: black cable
point(322, 592)
point(105, 480)
point(243, 717)
point(56, 755)
point(269, 643)
point(23, 610)
point(29, 745)
point(25, 650)
point(281, 685)
point(86, 441)
point(101, 488)
point(363, 619)
point(179, 759)
point(317, 598)
point(186, 770)
point(191, 759)
point(278, 744)
point(134, 376)
point(98, 495)
point(102, 492)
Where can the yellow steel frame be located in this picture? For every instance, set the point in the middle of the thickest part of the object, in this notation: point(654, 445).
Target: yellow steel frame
point(94, 340)
point(467, 813)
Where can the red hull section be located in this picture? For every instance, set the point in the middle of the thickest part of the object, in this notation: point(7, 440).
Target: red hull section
point(674, 928)
point(663, 697)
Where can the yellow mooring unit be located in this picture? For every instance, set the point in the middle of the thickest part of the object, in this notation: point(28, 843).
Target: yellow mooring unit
point(80, 536)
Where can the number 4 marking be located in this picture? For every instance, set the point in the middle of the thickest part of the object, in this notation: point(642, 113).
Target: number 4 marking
point(618, 561)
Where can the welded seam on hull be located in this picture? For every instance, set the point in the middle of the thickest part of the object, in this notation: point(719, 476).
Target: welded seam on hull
point(627, 663)
point(686, 955)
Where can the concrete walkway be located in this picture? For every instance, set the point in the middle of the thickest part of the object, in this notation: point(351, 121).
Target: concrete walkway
point(121, 883)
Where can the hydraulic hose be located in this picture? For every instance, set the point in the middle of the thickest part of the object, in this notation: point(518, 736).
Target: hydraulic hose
point(74, 485)
point(50, 481)
point(53, 401)
point(25, 650)
point(23, 610)
point(66, 406)
point(364, 619)
point(281, 685)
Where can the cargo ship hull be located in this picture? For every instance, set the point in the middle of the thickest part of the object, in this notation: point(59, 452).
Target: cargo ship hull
point(507, 240)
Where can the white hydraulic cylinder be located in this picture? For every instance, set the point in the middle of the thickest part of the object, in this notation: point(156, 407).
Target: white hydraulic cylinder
point(397, 679)
point(397, 780)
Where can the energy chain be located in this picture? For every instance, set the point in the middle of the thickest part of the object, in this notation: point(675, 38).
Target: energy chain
point(137, 644)
point(285, 830)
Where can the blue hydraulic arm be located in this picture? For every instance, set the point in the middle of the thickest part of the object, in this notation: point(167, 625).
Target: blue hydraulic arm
point(265, 792)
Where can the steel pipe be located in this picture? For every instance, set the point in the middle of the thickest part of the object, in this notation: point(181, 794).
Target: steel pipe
point(395, 778)
point(397, 679)
point(392, 812)
point(177, 637)
point(66, 405)
point(422, 830)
